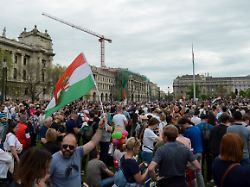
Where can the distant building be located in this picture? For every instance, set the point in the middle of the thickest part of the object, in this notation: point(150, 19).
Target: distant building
point(29, 59)
point(29, 64)
point(210, 86)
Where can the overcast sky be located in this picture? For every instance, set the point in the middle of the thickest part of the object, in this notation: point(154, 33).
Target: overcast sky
point(151, 37)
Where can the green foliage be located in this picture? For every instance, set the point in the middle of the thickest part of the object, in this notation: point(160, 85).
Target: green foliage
point(121, 84)
point(242, 93)
point(190, 92)
point(248, 93)
point(6, 55)
point(55, 73)
point(204, 97)
point(232, 95)
point(220, 91)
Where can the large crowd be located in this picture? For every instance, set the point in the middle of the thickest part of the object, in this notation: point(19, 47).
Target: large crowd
point(171, 144)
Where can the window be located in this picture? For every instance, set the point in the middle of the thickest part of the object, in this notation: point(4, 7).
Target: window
point(43, 76)
point(15, 73)
point(44, 63)
point(15, 59)
point(26, 91)
point(24, 75)
point(24, 61)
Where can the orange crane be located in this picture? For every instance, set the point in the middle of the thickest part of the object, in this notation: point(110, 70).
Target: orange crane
point(102, 39)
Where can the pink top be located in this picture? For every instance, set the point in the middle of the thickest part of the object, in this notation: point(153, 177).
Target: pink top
point(184, 140)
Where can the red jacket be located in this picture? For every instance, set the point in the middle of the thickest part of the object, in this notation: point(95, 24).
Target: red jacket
point(23, 135)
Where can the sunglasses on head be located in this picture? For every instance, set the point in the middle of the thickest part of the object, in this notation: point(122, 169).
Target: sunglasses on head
point(65, 146)
point(69, 169)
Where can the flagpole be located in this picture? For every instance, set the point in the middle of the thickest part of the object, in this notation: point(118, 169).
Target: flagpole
point(194, 93)
point(98, 94)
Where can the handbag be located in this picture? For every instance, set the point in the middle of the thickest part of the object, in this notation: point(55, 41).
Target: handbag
point(226, 172)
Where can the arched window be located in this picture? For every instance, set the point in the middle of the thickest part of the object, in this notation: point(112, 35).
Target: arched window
point(106, 97)
point(101, 96)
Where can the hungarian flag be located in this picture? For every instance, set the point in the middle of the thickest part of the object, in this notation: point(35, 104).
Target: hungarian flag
point(75, 82)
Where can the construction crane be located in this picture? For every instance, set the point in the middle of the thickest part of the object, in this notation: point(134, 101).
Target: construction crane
point(102, 39)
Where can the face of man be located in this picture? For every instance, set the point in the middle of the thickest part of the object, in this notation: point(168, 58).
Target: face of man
point(68, 146)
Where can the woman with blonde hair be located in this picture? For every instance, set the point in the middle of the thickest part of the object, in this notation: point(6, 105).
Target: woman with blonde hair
point(227, 170)
point(51, 137)
point(130, 167)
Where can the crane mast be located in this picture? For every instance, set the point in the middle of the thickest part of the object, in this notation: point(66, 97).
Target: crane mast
point(102, 39)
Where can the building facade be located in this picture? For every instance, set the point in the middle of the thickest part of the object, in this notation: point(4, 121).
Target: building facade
point(28, 60)
point(27, 74)
point(210, 86)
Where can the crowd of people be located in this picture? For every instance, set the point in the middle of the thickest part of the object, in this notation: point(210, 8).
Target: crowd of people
point(172, 144)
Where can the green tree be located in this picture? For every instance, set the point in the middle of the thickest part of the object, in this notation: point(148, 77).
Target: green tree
point(248, 93)
point(56, 72)
point(242, 93)
point(190, 92)
point(232, 95)
point(220, 91)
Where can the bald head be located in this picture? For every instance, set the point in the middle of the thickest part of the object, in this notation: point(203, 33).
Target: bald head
point(70, 139)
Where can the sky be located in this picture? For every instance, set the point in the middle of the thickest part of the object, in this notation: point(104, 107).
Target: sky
point(150, 37)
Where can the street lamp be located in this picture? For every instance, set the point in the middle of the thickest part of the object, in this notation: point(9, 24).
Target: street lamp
point(4, 79)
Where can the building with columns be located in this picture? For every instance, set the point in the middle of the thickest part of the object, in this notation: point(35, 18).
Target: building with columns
point(210, 86)
point(28, 60)
point(28, 73)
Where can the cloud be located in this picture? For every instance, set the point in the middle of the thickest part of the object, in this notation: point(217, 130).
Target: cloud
point(153, 38)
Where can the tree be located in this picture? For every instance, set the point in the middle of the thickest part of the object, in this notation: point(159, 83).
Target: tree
point(55, 73)
point(220, 91)
point(248, 93)
point(33, 80)
point(242, 93)
point(5, 56)
point(190, 92)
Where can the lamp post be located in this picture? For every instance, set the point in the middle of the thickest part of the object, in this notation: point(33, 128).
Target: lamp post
point(4, 79)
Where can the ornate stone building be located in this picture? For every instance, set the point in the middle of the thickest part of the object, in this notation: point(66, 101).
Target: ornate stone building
point(210, 86)
point(28, 76)
point(28, 61)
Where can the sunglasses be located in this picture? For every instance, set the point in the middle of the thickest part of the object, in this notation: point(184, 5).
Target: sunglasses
point(71, 147)
point(69, 169)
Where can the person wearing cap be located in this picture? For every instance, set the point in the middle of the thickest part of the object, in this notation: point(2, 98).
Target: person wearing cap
point(171, 159)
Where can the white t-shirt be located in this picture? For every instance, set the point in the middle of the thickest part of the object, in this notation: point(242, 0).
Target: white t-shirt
point(120, 120)
point(149, 138)
point(162, 124)
point(11, 140)
point(5, 160)
point(196, 120)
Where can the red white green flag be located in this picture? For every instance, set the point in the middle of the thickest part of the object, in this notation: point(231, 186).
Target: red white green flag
point(75, 82)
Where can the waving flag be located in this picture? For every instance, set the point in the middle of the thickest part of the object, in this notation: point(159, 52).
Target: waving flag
point(75, 82)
